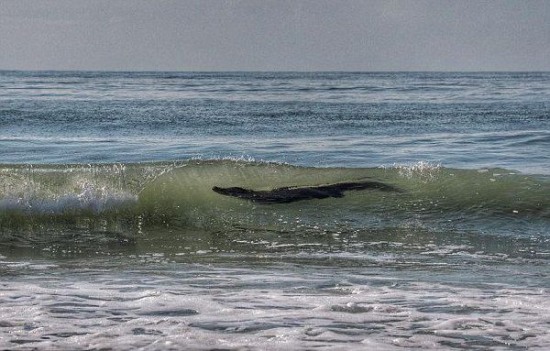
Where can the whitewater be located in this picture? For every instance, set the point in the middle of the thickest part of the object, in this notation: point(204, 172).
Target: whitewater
point(113, 238)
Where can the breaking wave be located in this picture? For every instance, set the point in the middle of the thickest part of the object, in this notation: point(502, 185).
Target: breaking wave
point(180, 194)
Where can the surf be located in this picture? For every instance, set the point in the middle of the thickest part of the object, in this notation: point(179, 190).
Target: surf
point(192, 193)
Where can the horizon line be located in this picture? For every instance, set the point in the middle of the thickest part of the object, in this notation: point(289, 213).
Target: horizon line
point(269, 71)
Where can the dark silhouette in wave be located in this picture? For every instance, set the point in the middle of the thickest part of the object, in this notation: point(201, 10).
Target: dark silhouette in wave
point(293, 194)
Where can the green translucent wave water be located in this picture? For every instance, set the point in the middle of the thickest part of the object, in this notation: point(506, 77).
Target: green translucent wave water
point(180, 194)
point(170, 208)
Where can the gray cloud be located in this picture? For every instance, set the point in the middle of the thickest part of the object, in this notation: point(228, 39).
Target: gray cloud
point(275, 35)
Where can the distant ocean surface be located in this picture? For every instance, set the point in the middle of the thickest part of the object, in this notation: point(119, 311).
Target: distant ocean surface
point(111, 237)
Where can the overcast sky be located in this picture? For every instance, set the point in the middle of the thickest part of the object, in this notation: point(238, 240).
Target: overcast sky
point(206, 35)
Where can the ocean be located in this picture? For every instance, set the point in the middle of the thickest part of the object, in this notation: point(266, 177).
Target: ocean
point(274, 211)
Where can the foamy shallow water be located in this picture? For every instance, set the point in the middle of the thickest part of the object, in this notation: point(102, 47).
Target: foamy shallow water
point(167, 305)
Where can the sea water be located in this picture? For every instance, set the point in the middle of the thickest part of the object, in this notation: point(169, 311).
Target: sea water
point(111, 237)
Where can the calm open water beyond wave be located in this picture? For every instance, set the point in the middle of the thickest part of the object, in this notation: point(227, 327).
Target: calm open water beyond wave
point(112, 238)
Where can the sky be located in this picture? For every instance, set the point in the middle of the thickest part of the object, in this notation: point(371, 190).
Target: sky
point(275, 35)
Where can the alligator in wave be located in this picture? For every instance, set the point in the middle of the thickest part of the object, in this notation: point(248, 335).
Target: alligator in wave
point(298, 193)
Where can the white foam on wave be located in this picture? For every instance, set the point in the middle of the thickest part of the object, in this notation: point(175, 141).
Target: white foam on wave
point(88, 197)
point(420, 169)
